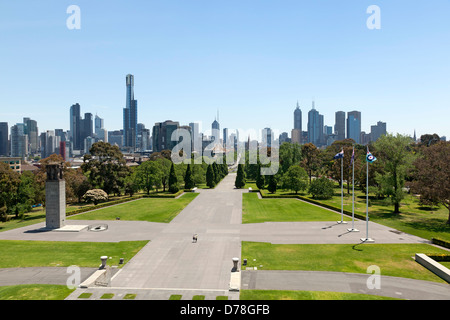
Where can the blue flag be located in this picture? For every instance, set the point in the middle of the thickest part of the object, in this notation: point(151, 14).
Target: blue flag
point(370, 158)
point(340, 155)
point(353, 156)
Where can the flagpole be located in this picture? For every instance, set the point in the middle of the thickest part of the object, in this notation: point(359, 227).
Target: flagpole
point(342, 192)
point(353, 194)
point(367, 239)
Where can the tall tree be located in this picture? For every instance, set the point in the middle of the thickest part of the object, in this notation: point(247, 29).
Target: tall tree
point(272, 184)
point(432, 175)
point(188, 180)
point(149, 175)
point(166, 164)
point(9, 185)
point(311, 158)
point(260, 181)
point(210, 181)
point(173, 180)
point(105, 167)
point(393, 153)
point(240, 177)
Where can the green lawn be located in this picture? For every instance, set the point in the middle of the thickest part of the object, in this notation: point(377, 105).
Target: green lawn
point(145, 209)
point(35, 292)
point(21, 254)
point(256, 210)
point(305, 295)
point(392, 259)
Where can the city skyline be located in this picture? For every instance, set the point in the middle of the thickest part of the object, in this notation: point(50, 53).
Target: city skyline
point(251, 61)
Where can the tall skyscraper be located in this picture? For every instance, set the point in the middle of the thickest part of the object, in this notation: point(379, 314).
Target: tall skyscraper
point(74, 136)
point(298, 118)
point(4, 139)
point(130, 115)
point(339, 126)
point(196, 139)
point(215, 130)
point(354, 126)
point(86, 128)
point(315, 127)
point(19, 141)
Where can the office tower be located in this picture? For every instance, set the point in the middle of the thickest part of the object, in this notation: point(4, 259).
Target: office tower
point(74, 134)
point(63, 150)
point(116, 138)
point(378, 130)
point(283, 137)
point(354, 126)
point(298, 118)
point(99, 125)
point(266, 139)
point(339, 127)
point(19, 141)
point(215, 130)
point(225, 136)
point(315, 127)
point(86, 127)
point(31, 130)
point(162, 135)
point(4, 140)
point(296, 136)
point(130, 115)
point(196, 139)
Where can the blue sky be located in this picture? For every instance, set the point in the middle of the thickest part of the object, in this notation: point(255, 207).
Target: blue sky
point(251, 60)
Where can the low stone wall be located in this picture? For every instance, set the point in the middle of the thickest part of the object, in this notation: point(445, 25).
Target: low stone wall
point(433, 266)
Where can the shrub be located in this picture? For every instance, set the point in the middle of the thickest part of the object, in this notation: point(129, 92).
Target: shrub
point(95, 196)
point(321, 188)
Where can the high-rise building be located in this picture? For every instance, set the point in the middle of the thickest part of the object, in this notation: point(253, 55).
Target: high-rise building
point(162, 135)
point(354, 126)
point(31, 130)
point(378, 130)
point(19, 141)
point(99, 125)
point(315, 127)
point(298, 118)
point(339, 126)
point(75, 118)
point(196, 139)
point(130, 115)
point(4, 139)
point(215, 130)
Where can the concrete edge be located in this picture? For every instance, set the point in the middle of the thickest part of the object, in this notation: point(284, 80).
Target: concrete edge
point(434, 266)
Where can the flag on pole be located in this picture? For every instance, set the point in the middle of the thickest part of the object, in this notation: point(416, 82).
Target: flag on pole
point(353, 156)
point(370, 158)
point(340, 155)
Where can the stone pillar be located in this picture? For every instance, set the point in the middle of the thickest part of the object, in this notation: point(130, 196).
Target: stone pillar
point(55, 197)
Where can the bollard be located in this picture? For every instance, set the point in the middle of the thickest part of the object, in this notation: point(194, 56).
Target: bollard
point(103, 259)
point(235, 264)
point(121, 261)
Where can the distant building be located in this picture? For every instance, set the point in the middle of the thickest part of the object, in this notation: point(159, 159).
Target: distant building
point(162, 135)
point(339, 127)
point(354, 126)
point(19, 141)
point(283, 137)
point(378, 130)
point(130, 115)
point(315, 127)
point(15, 163)
point(298, 118)
point(296, 136)
point(4, 139)
point(116, 138)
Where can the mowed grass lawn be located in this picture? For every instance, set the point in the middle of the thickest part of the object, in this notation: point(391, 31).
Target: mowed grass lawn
point(392, 259)
point(145, 209)
point(255, 210)
point(22, 254)
point(35, 292)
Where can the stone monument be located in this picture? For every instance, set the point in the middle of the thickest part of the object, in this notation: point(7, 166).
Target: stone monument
point(55, 196)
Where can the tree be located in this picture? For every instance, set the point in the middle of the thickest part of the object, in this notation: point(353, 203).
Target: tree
point(272, 184)
point(310, 159)
point(149, 175)
point(321, 188)
point(105, 167)
point(260, 181)
point(240, 177)
point(210, 182)
point(295, 179)
point(432, 176)
point(95, 196)
point(188, 180)
point(173, 181)
point(9, 184)
point(393, 153)
point(166, 165)
point(290, 154)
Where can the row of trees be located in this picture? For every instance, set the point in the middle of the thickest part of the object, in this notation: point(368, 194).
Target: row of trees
point(403, 166)
point(104, 169)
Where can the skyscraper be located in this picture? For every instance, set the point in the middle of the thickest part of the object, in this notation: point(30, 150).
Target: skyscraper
point(315, 127)
point(130, 115)
point(162, 135)
point(298, 118)
point(4, 133)
point(377, 131)
point(339, 127)
point(75, 126)
point(215, 130)
point(354, 126)
point(19, 141)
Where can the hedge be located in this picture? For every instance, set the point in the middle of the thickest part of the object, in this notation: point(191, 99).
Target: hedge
point(440, 242)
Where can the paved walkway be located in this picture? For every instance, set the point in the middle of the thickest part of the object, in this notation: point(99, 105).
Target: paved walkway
point(171, 263)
